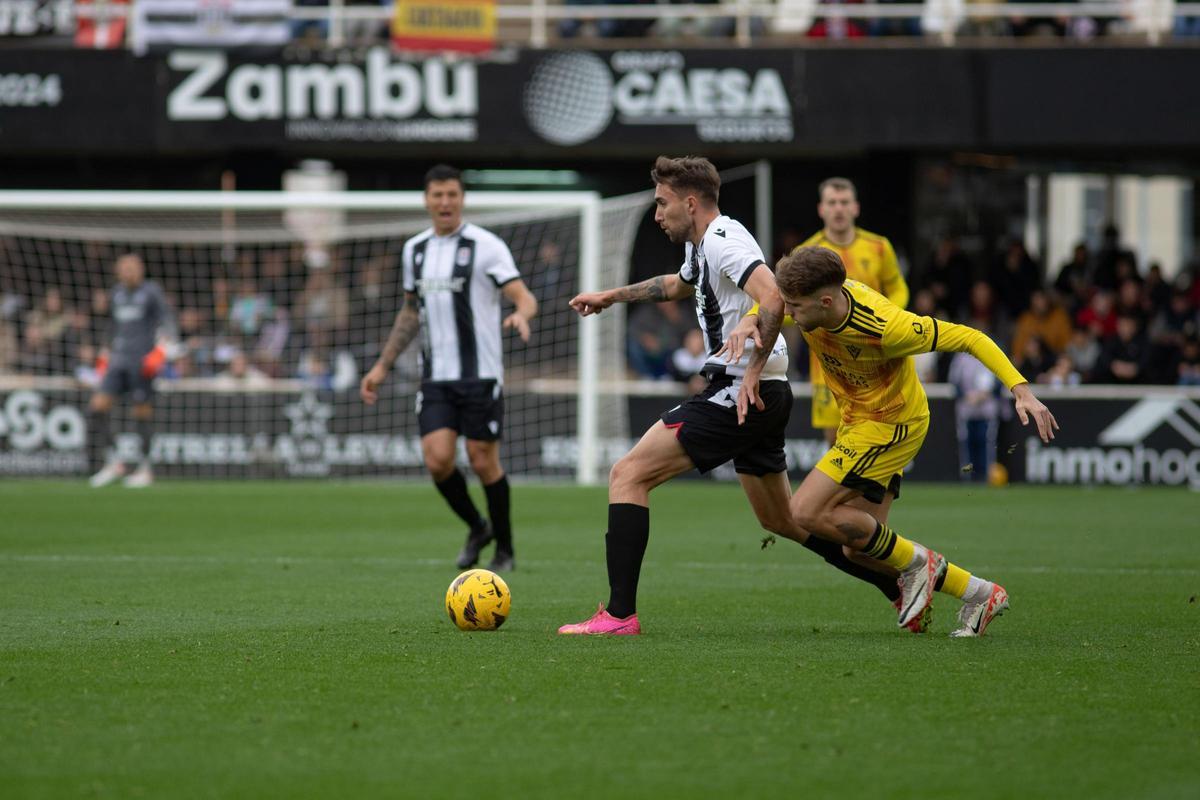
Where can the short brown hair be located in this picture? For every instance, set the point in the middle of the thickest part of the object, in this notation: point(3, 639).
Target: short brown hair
point(840, 184)
point(806, 270)
point(688, 175)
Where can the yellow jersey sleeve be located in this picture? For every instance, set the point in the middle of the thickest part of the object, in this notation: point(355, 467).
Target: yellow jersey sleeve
point(891, 281)
point(907, 334)
point(787, 318)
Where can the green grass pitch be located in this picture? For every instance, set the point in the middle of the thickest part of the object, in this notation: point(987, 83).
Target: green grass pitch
point(289, 640)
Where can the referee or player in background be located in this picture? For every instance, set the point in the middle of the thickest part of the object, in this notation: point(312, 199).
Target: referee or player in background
point(454, 276)
point(139, 312)
point(868, 257)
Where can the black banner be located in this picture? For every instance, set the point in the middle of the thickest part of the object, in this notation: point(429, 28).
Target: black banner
point(1151, 437)
point(757, 102)
point(325, 434)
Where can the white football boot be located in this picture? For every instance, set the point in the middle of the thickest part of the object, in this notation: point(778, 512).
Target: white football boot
point(975, 617)
point(110, 472)
point(139, 478)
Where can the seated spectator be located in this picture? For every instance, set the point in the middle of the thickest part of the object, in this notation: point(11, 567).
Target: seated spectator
point(948, 275)
point(1098, 317)
point(1074, 279)
point(1175, 322)
point(1130, 301)
point(87, 370)
point(195, 341)
point(1014, 276)
point(1156, 290)
point(654, 328)
point(1044, 320)
point(606, 28)
point(324, 309)
point(687, 361)
point(894, 26)
point(314, 371)
point(271, 351)
point(837, 27)
point(1038, 26)
point(1125, 357)
point(982, 312)
point(310, 33)
point(1034, 358)
point(1105, 274)
point(48, 332)
point(249, 310)
point(277, 280)
point(240, 373)
point(1084, 351)
point(1189, 363)
point(1061, 374)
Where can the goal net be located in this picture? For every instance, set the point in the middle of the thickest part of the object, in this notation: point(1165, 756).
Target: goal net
point(280, 303)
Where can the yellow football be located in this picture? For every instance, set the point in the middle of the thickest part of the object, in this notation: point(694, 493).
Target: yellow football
point(478, 600)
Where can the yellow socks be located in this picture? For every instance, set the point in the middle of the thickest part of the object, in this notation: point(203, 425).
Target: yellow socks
point(888, 547)
point(896, 551)
point(955, 582)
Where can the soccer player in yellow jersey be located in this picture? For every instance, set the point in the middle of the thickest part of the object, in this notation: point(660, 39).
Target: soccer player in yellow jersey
point(868, 258)
point(865, 342)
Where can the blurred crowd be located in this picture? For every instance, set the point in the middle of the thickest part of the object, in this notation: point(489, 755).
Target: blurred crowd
point(265, 314)
point(260, 314)
point(797, 17)
point(1099, 318)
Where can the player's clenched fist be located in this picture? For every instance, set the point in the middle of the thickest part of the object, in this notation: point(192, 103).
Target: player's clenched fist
point(369, 388)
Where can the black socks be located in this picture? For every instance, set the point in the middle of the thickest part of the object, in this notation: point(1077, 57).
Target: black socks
point(99, 438)
point(832, 552)
point(454, 489)
point(628, 533)
point(498, 512)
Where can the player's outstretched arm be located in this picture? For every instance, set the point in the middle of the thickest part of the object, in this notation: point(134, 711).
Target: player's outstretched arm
point(908, 334)
point(408, 321)
point(655, 290)
point(527, 307)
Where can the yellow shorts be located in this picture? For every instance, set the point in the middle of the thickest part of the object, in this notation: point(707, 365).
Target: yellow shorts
point(825, 411)
point(871, 456)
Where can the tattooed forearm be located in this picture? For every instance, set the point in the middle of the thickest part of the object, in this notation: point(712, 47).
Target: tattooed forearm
point(654, 290)
point(408, 321)
point(769, 321)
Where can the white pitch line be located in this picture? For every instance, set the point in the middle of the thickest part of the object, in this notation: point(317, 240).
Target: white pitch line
point(385, 561)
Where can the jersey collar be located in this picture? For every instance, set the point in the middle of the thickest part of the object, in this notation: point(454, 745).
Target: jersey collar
point(849, 311)
point(825, 237)
point(452, 234)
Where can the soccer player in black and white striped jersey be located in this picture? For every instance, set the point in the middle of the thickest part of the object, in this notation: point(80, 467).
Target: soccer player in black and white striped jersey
point(725, 272)
point(454, 276)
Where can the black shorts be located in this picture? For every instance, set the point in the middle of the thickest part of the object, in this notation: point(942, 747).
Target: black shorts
point(121, 379)
point(475, 409)
point(706, 425)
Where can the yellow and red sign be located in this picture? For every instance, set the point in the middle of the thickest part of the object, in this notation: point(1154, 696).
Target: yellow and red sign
point(464, 26)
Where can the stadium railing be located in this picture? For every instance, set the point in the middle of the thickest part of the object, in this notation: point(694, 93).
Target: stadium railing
point(533, 23)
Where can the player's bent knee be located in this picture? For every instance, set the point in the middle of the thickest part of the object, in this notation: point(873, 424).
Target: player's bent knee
point(440, 468)
point(625, 473)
